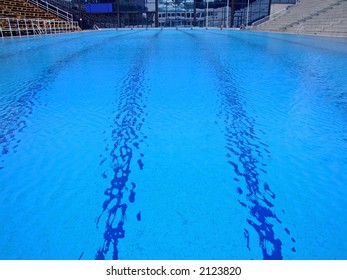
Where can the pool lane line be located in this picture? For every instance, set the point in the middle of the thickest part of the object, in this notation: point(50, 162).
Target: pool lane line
point(15, 114)
point(126, 137)
point(246, 154)
point(125, 152)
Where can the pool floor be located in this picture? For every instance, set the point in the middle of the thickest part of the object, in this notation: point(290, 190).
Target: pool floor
point(173, 144)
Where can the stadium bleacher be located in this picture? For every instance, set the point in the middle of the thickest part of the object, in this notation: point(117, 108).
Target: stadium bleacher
point(320, 17)
point(22, 17)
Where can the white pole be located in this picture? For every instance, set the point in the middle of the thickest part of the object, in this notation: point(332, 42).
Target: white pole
point(9, 25)
point(33, 27)
point(26, 27)
point(226, 18)
point(247, 14)
point(45, 24)
point(18, 26)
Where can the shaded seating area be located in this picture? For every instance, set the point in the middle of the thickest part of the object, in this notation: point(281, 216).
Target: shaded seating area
point(22, 17)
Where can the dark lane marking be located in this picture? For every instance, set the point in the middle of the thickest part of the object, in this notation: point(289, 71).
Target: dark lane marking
point(247, 156)
point(127, 137)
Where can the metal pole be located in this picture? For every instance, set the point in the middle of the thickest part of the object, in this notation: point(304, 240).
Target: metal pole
point(232, 13)
point(156, 20)
point(18, 26)
point(194, 19)
point(175, 24)
point(32, 27)
point(269, 11)
point(207, 14)
point(227, 15)
point(45, 25)
point(9, 25)
point(118, 18)
point(80, 13)
point(38, 27)
point(247, 14)
point(26, 27)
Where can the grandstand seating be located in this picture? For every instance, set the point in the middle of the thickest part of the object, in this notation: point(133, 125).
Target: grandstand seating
point(23, 9)
point(321, 17)
point(21, 17)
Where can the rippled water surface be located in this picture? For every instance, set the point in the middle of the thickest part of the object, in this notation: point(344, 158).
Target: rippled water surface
point(173, 144)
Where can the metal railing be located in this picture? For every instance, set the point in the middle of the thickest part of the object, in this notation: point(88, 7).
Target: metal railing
point(11, 27)
point(52, 9)
point(275, 15)
point(271, 17)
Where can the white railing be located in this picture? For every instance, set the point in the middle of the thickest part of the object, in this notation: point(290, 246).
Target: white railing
point(275, 15)
point(300, 28)
point(52, 9)
point(271, 17)
point(11, 27)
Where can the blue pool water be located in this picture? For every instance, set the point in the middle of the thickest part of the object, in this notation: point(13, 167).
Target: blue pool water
point(173, 144)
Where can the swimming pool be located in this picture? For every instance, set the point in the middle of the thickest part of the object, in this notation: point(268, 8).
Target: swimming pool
point(173, 144)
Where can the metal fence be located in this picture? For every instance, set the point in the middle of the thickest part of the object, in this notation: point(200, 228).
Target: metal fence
point(10, 27)
point(53, 9)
